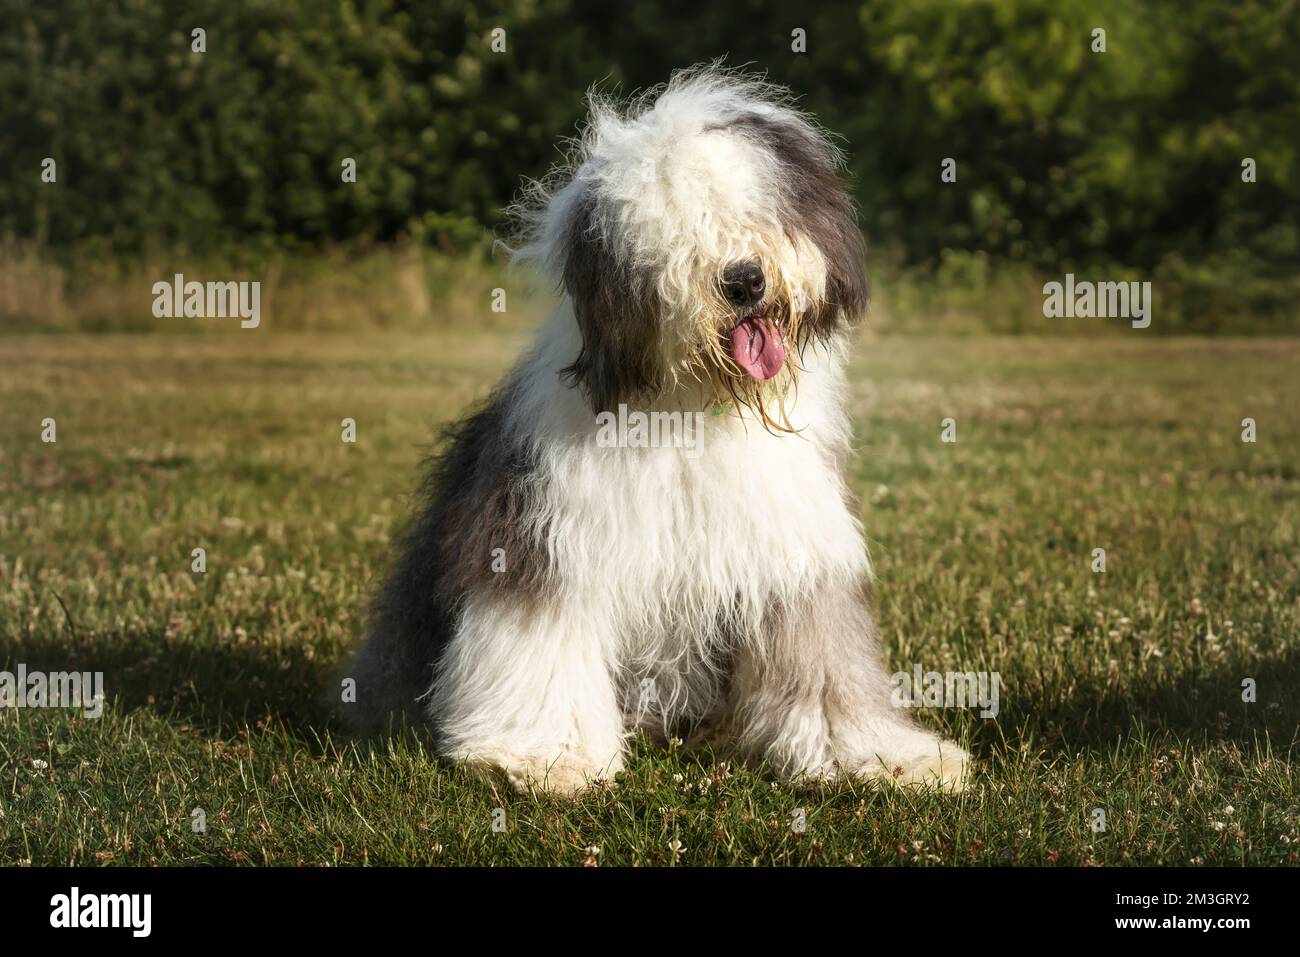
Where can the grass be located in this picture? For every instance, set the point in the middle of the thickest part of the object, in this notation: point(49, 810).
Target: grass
point(407, 288)
point(1120, 691)
point(397, 286)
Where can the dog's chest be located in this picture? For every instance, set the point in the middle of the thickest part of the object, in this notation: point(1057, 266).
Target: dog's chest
point(742, 511)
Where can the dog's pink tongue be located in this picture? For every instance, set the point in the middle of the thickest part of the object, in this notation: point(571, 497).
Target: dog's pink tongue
point(757, 348)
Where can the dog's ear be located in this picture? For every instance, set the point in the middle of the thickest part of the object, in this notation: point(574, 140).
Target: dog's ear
point(836, 233)
point(817, 204)
point(823, 210)
point(614, 309)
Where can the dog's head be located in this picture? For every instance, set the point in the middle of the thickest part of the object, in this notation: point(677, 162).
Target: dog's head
point(702, 232)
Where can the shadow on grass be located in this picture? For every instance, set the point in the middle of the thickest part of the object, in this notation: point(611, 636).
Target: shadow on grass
point(221, 688)
point(1203, 706)
point(226, 688)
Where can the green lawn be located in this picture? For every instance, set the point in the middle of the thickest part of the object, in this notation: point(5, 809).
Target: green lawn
point(1120, 691)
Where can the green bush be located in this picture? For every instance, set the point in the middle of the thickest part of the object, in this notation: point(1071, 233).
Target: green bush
point(1067, 159)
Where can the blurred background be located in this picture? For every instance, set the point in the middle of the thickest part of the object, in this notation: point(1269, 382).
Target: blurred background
point(226, 164)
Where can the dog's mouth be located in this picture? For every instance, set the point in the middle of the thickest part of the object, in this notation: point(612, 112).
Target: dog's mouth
point(757, 345)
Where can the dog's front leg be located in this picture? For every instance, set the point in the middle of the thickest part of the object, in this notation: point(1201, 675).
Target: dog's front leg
point(811, 697)
point(525, 687)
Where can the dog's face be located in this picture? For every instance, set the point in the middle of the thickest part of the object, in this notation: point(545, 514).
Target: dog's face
point(703, 235)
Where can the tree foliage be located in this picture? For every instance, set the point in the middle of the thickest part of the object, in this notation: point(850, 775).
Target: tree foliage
point(1063, 154)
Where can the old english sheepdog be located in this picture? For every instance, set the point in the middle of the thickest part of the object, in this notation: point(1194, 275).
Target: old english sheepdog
point(556, 592)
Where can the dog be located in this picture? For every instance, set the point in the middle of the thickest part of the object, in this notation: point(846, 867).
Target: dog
point(557, 594)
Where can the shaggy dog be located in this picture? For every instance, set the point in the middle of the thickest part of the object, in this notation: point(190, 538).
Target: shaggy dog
point(558, 592)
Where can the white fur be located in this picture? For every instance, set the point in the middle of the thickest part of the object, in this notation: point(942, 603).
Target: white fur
point(654, 548)
point(680, 194)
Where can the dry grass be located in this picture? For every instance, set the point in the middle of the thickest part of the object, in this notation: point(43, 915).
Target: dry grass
point(1120, 691)
point(372, 288)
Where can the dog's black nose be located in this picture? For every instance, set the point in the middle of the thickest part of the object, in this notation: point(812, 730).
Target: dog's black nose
point(743, 284)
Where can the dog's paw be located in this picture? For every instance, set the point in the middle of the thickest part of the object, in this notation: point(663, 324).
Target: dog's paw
point(564, 776)
point(942, 765)
point(917, 760)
